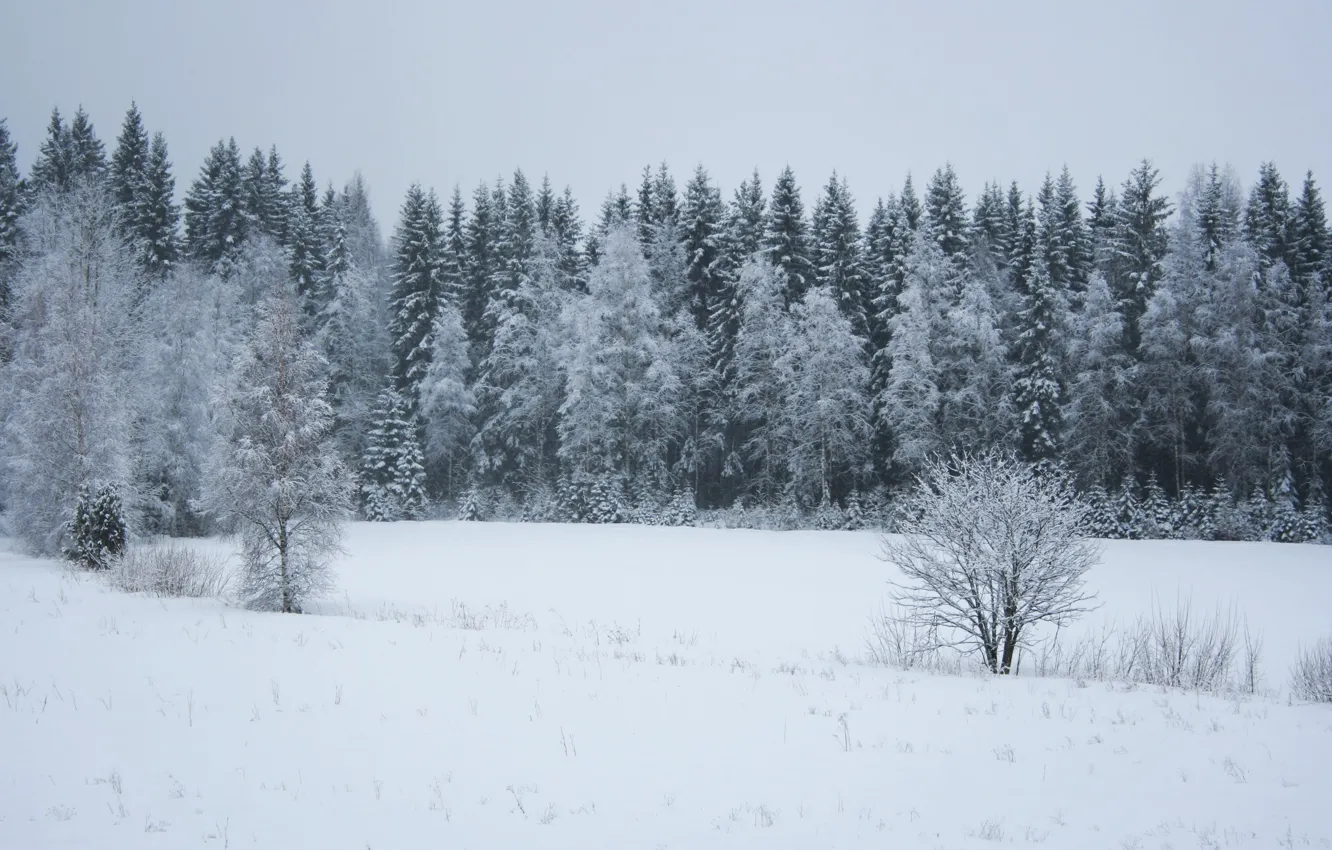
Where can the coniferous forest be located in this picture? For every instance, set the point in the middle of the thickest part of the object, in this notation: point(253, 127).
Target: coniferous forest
point(762, 357)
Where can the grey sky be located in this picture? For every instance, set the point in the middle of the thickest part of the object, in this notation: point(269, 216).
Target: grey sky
point(592, 91)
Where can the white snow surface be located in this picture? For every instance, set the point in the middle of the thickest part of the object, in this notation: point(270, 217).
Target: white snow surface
point(500, 685)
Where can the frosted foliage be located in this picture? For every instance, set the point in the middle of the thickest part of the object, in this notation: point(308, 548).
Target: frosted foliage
point(276, 476)
point(67, 393)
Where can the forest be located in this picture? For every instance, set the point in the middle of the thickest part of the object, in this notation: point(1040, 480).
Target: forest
point(678, 356)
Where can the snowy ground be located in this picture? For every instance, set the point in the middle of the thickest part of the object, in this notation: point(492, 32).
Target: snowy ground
point(489, 685)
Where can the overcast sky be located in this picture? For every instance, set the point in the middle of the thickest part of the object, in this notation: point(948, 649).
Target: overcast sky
point(589, 92)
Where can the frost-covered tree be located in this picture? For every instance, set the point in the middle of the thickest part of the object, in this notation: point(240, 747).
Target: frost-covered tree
point(1100, 413)
point(277, 476)
point(68, 392)
point(759, 387)
point(187, 347)
point(69, 155)
point(448, 403)
point(1311, 246)
point(393, 474)
point(520, 385)
point(622, 405)
point(827, 403)
point(911, 400)
point(353, 338)
point(990, 549)
point(975, 377)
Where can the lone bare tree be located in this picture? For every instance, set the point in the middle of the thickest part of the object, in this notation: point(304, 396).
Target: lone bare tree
point(989, 547)
point(278, 476)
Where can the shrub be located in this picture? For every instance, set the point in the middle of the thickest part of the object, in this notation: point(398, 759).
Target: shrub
point(1311, 676)
point(170, 569)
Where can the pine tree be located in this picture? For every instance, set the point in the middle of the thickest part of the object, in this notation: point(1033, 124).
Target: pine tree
point(1267, 216)
point(836, 252)
point(946, 214)
point(129, 165)
point(417, 281)
point(482, 238)
point(1038, 391)
point(1139, 244)
point(54, 167)
point(305, 249)
point(703, 226)
point(911, 206)
point(215, 222)
point(1309, 238)
point(12, 192)
point(277, 475)
point(88, 153)
point(275, 197)
point(567, 235)
point(156, 216)
point(786, 237)
point(1063, 235)
point(393, 466)
point(97, 531)
point(1102, 213)
point(1215, 216)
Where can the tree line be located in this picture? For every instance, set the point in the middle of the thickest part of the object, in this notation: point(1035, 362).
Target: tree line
point(501, 355)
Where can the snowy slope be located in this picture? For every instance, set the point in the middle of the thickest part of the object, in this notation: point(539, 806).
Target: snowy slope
point(488, 685)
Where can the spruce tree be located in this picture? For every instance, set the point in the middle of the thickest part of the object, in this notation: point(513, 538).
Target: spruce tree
point(417, 279)
point(911, 206)
point(265, 204)
point(837, 254)
point(1267, 216)
point(786, 237)
point(54, 166)
point(1038, 390)
point(393, 466)
point(1140, 243)
point(702, 224)
point(1309, 238)
point(156, 216)
point(567, 235)
point(88, 153)
point(275, 196)
point(305, 250)
point(482, 235)
point(12, 191)
point(129, 164)
point(760, 441)
point(1215, 217)
point(215, 223)
point(1102, 213)
point(946, 214)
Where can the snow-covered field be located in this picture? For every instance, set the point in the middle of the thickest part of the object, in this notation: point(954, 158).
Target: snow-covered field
point(492, 685)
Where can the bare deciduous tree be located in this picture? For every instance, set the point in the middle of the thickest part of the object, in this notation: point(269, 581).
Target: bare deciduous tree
point(989, 547)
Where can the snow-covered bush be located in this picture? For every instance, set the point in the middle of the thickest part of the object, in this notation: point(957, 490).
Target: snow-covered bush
point(593, 499)
point(97, 531)
point(170, 569)
point(1311, 676)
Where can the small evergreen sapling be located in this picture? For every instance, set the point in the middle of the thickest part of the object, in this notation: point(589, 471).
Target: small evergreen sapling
point(97, 531)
